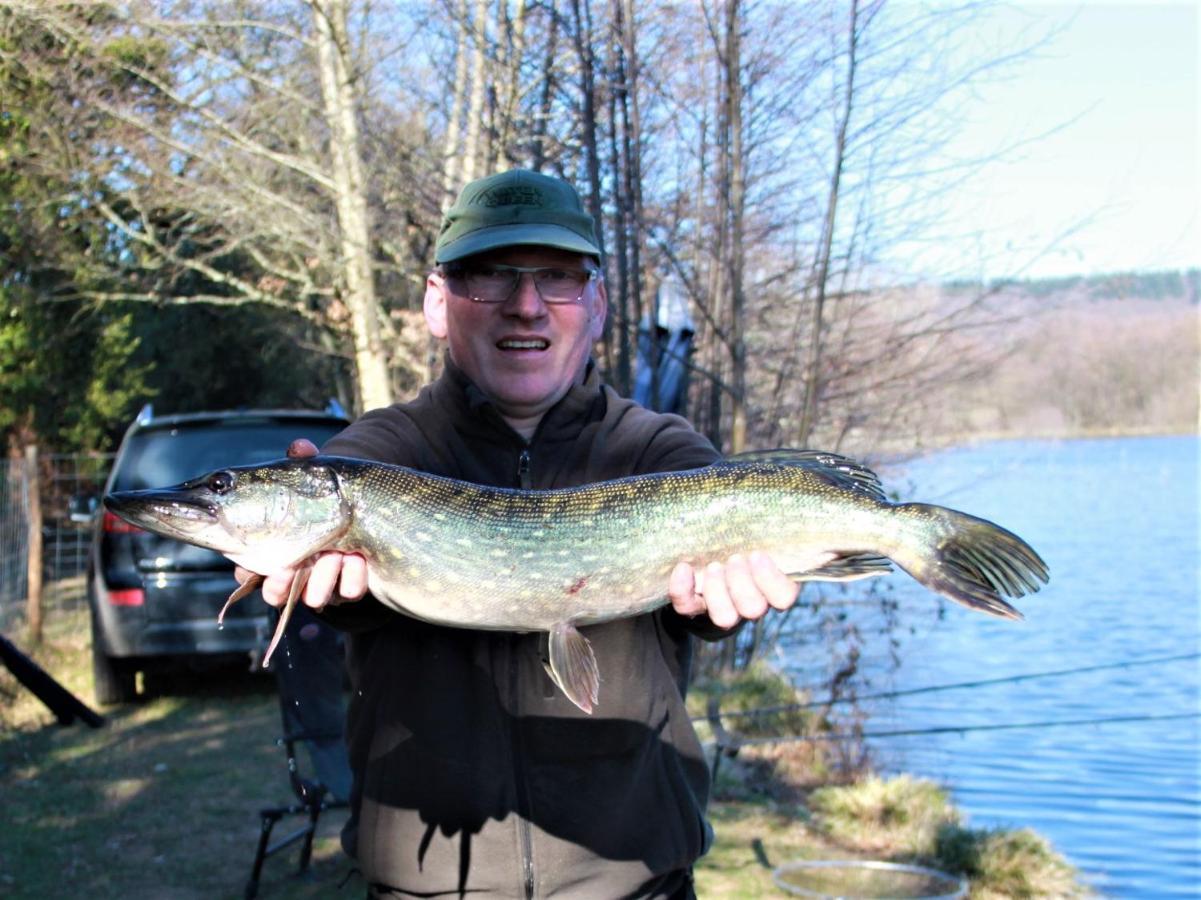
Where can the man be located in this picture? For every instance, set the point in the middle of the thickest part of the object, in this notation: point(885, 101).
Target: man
point(473, 774)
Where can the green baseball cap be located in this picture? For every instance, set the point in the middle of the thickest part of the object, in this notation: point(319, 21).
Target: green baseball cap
point(515, 207)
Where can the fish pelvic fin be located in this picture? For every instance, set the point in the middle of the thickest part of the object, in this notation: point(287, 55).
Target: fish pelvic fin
point(973, 561)
point(299, 580)
point(245, 589)
point(850, 567)
point(572, 666)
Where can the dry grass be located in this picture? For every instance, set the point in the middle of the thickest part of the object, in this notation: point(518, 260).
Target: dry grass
point(162, 802)
point(904, 819)
point(897, 817)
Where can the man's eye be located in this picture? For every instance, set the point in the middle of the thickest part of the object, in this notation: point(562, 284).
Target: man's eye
point(553, 275)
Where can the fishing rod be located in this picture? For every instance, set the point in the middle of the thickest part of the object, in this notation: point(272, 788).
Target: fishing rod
point(961, 729)
point(984, 682)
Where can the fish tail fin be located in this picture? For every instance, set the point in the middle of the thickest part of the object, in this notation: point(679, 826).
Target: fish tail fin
point(572, 666)
point(970, 560)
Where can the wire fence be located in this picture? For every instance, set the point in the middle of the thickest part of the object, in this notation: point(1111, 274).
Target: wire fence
point(66, 484)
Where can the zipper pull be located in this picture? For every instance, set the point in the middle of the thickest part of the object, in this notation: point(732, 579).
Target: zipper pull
point(523, 469)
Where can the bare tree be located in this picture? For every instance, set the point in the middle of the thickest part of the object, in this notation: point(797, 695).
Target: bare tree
point(246, 174)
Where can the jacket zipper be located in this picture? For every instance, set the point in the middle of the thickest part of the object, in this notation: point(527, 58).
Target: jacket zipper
point(524, 834)
point(523, 470)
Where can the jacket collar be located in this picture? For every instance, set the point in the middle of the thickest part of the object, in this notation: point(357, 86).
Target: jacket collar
point(479, 413)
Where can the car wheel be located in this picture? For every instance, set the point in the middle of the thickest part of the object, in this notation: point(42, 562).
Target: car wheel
point(112, 680)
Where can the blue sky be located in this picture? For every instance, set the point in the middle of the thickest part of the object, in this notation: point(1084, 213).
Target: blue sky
point(1105, 174)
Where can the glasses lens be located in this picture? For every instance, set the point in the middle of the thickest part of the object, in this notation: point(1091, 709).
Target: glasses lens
point(491, 284)
point(560, 285)
point(495, 284)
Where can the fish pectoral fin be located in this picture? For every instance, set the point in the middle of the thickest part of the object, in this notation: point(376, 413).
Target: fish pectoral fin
point(299, 580)
point(246, 588)
point(572, 666)
point(850, 567)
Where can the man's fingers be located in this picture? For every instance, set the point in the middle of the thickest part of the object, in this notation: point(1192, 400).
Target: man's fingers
point(275, 588)
point(778, 589)
point(301, 448)
point(323, 578)
point(722, 612)
point(748, 600)
point(353, 583)
point(682, 589)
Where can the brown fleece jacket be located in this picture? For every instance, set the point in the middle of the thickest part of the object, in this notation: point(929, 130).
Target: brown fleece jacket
point(474, 775)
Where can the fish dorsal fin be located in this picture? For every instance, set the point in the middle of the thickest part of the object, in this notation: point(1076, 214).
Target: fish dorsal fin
point(841, 470)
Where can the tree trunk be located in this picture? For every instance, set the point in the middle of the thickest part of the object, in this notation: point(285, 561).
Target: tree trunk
point(737, 201)
point(625, 318)
point(582, 11)
point(451, 157)
point(338, 91)
point(507, 125)
point(469, 170)
point(813, 356)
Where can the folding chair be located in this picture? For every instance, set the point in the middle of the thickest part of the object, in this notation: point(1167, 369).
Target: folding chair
point(310, 673)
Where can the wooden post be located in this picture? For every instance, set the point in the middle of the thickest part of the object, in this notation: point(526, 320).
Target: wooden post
point(33, 597)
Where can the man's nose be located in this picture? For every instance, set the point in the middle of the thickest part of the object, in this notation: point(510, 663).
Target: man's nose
point(525, 301)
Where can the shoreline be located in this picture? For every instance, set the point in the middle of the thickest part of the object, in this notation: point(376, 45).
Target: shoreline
point(941, 443)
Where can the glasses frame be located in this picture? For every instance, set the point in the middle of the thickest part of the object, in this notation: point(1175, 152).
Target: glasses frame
point(460, 273)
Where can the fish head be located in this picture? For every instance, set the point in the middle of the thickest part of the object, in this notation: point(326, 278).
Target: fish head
point(263, 517)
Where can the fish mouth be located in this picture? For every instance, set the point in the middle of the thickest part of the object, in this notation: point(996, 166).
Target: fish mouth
point(157, 510)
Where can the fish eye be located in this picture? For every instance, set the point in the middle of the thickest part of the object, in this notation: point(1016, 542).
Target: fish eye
point(220, 482)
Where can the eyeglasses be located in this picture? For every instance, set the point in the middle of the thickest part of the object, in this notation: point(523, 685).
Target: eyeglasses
point(495, 283)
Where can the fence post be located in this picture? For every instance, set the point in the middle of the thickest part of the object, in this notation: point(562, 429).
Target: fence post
point(33, 599)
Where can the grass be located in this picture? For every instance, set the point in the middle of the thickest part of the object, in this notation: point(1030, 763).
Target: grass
point(163, 801)
point(901, 817)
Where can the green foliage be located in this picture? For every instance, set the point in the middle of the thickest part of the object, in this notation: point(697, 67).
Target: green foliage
point(224, 357)
point(66, 376)
point(73, 371)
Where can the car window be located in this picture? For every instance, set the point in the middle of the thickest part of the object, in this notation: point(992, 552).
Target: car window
point(163, 457)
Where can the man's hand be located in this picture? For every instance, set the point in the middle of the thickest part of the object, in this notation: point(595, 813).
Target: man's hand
point(744, 587)
point(336, 577)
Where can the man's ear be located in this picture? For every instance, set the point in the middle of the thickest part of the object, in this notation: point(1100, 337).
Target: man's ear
point(600, 309)
point(435, 306)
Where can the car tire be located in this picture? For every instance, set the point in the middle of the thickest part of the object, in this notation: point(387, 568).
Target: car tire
point(112, 680)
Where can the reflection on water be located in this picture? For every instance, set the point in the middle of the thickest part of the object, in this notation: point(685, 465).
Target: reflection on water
point(1117, 521)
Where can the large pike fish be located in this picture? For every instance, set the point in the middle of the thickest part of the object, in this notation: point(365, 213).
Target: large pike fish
point(455, 553)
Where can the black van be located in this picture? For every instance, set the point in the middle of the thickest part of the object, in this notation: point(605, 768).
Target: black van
point(155, 599)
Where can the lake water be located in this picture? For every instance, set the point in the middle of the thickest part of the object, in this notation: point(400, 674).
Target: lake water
point(1117, 522)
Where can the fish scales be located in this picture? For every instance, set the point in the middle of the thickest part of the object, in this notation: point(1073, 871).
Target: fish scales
point(519, 560)
point(493, 558)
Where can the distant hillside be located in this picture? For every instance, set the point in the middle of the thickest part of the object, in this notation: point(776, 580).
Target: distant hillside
point(1106, 354)
point(1168, 285)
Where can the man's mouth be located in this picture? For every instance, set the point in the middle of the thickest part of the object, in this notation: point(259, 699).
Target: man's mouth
point(522, 344)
